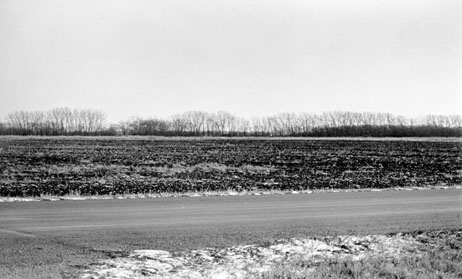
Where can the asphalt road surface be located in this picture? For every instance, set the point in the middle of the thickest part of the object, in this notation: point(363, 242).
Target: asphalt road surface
point(53, 239)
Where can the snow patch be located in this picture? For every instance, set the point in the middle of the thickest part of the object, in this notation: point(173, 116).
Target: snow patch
point(242, 261)
point(217, 193)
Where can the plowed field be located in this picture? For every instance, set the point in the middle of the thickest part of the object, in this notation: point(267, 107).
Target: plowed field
point(114, 166)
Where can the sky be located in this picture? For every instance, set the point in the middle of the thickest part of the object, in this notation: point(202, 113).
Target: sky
point(249, 57)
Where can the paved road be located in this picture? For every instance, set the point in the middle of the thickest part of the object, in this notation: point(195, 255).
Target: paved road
point(64, 232)
point(39, 218)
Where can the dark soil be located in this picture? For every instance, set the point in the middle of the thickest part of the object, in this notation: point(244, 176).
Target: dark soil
point(113, 166)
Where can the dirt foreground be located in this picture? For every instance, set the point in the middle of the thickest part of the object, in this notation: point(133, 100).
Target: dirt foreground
point(254, 260)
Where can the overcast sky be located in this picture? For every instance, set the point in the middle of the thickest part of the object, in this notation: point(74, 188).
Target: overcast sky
point(251, 58)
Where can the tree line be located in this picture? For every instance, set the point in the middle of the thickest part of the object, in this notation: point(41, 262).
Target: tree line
point(65, 121)
point(55, 122)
